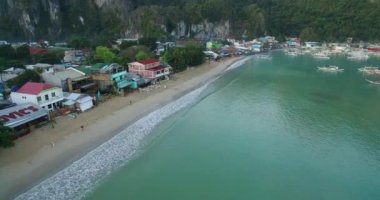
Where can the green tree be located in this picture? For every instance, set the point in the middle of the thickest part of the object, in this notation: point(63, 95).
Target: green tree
point(49, 57)
point(193, 14)
point(28, 75)
point(175, 57)
point(79, 42)
point(254, 20)
point(150, 42)
point(129, 55)
point(104, 54)
point(22, 53)
point(148, 19)
point(141, 55)
point(6, 136)
point(182, 57)
point(7, 52)
point(194, 54)
point(308, 34)
point(126, 44)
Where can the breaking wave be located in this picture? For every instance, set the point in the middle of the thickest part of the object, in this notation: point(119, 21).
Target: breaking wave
point(76, 180)
point(238, 63)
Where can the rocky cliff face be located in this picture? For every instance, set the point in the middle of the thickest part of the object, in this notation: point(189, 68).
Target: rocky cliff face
point(60, 19)
point(53, 19)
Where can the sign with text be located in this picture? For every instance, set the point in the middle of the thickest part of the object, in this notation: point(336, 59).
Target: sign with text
point(21, 114)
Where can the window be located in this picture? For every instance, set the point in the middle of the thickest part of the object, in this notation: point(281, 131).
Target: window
point(46, 97)
point(53, 94)
point(39, 98)
point(49, 106)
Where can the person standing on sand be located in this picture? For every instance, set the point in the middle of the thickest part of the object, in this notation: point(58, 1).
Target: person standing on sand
point(82, 127)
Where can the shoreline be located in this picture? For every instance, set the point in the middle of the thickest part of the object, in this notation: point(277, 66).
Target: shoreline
point(28, 170)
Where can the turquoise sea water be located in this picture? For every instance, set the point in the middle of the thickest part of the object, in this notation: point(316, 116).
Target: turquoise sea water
point(271, 129)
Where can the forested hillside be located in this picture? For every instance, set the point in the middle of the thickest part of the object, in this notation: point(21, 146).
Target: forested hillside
point(62, 19)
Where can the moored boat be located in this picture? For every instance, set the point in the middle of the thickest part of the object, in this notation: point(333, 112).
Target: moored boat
point(321, 55)
point(358, 56)
point(370, 70)
point(330, 68)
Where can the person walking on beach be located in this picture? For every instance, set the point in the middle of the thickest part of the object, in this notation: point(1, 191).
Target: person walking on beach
point(82, 127)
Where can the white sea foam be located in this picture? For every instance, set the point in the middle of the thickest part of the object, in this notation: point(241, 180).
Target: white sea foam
point(238, 63)
point(76, 180)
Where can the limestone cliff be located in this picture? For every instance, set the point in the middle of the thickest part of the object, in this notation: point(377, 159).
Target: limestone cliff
point(60, 19)
point(54, 19)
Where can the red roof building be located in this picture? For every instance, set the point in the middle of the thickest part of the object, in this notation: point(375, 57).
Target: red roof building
point(149, 61)
point(35, 51)
point(45, 95)
point(34, 88)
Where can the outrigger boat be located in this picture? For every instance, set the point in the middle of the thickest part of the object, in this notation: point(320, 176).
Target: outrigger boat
point(370, 70)
point(330, 68)
point(373, 82)
point(321, 55)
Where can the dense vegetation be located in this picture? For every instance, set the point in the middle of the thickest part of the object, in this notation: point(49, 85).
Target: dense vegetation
point(182, 57)
point(6, 136)
point(330, 20)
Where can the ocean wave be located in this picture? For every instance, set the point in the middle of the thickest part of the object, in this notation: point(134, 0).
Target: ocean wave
point(238, 63)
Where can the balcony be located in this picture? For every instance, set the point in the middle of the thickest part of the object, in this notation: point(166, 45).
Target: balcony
point(165, 73)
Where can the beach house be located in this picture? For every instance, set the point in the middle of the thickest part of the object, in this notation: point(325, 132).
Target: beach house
point(69, 79)
point(150, 68)
point(108, 76)
point(47, 96)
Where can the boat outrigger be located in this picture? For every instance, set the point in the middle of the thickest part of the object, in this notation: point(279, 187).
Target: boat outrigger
point(373, 82)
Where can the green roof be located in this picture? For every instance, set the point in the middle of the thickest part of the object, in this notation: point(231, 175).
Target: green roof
point(86, 70)
point(99, 65)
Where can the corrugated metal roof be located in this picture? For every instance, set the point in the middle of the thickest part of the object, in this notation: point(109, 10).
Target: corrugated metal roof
point(68, 73)
point(21, 114)
point(149, 61)
point(34, 88)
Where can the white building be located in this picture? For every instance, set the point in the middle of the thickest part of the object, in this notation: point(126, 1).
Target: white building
point(46, 68)
point(46, 96)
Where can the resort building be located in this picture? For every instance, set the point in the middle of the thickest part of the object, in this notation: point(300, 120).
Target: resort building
point(69, 79)
point(149, 68)
point(44, 95)
point(108, 76)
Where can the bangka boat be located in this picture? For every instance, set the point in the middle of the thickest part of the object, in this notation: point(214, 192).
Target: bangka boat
point(369, 70)
point(321, 55)
point(373, 82)
point(292, 53)
point(264, 56)
point(358, 56)
point(330, 68)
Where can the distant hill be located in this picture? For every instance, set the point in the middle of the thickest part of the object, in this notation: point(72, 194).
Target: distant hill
point(62, 19)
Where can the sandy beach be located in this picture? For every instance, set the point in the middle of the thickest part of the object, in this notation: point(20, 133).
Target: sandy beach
point(47, 150)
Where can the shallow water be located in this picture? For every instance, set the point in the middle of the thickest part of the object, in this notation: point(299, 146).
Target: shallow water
point(271, 129)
